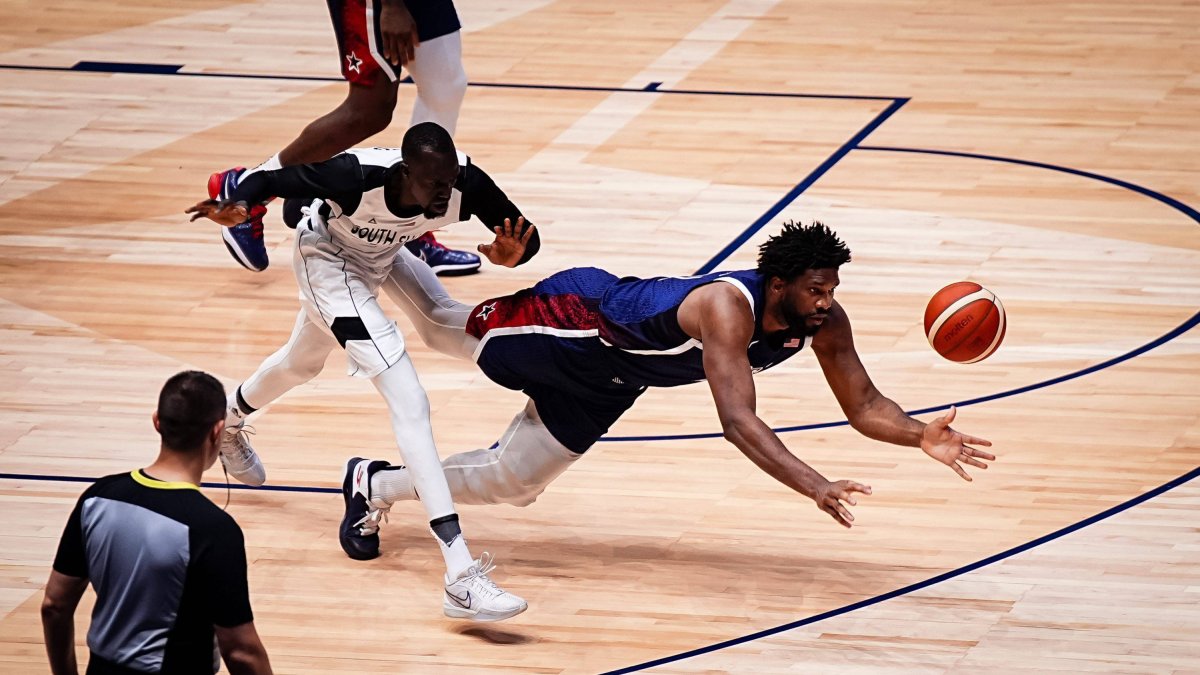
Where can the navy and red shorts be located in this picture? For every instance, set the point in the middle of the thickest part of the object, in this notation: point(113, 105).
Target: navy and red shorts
point(360, 40)
point(546, 342)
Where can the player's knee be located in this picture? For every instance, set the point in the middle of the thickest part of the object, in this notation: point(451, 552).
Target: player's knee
point(305, 369)
point(445, 95)
point(517, 494)
point(373, 120)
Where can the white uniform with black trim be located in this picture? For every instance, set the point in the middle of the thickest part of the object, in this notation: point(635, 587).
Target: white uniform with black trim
point(348, 240)
point(340, 261)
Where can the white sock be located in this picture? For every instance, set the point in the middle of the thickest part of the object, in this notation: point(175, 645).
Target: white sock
point(457, 557)
point(234, 417)
point(393, 484)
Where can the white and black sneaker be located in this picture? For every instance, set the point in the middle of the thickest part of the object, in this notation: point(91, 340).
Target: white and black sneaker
point(359, 531)
point(476, 597)
point(239, 457)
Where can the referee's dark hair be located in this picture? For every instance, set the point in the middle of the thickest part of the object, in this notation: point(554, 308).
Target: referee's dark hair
point(189, 404)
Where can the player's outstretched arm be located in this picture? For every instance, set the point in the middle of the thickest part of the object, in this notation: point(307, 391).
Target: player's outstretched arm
point(876, 416)
point(482, 198)
point(720, 317)
point(334, 178)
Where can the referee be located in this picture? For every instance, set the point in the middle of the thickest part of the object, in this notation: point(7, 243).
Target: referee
point(168, 566)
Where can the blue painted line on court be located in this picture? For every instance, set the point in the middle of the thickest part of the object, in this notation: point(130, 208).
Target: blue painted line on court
point(802, 186)
point(119, 68)
point(911, 588)
point(131, 68)
point(235, 486)
point(1137, 351)
point(1158, 196)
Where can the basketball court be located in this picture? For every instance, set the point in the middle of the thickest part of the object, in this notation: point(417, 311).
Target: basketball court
point(1046, 151)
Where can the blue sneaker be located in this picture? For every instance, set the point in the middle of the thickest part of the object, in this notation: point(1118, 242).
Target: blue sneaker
point(245, 241)
point(445, 262)
point(359, 532)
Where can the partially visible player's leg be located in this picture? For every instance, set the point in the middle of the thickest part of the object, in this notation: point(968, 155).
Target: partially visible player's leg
point(437, 70)
point(514, 471)
point(297, 362)
point(375, 350)
point(366, 111)
point(440, 320)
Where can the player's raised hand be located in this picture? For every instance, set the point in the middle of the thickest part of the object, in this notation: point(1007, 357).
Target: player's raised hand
point(510, 243)
point(222, 213)
point(399, 32)
point(950, 447)
point(833, 497)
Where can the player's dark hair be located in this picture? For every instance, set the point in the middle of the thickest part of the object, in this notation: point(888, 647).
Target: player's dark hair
point(426, 137)
point(798, 248)
point(189, 404)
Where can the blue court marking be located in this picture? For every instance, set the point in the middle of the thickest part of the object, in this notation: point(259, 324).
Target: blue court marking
point(1191, 475)
point(803, 185)
point(235, 486)
point(116, 67)
point(1158, 196)
point(799, 189)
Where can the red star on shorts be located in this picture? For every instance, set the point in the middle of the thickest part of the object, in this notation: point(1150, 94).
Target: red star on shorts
point(353, 62)
point(486, 311)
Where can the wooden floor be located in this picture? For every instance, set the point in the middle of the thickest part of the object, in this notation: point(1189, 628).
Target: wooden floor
point(1059, 170)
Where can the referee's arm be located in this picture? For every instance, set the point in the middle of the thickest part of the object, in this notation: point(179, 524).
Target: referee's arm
point(68, 581)
point(221, 572)
point(242, 650)
point(58, 621)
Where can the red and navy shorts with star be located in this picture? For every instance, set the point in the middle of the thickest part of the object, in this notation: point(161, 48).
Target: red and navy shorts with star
point(360, 38)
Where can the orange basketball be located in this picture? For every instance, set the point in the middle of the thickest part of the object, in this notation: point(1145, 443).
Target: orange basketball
point(964, 322)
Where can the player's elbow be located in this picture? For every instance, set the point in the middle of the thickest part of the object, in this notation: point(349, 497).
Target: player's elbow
point(55, 611)
point(735, 427)
point(242, 650)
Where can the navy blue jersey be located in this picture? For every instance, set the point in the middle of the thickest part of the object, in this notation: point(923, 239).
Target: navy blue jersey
point(584, 343)
point(636, 321)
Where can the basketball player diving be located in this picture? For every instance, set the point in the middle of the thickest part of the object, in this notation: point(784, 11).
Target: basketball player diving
point(584, 344)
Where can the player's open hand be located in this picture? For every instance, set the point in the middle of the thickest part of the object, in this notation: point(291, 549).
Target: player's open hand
point(399, 32)
point(222, 213)
point(833, 498)
point(950, 447)
point(509, 245)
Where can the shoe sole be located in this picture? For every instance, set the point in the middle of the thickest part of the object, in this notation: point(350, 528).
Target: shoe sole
point(237, 254)
point(353, 554)
point(455, 270)
point(483, 617)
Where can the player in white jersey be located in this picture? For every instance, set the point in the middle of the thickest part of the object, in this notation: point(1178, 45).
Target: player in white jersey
point(361, 207)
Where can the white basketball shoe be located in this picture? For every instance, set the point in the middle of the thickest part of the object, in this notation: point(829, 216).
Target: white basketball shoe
point(476, 597)
point(239, 457)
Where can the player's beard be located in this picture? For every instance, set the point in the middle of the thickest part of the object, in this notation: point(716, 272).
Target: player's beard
point(798, 328)
point(798, 325)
